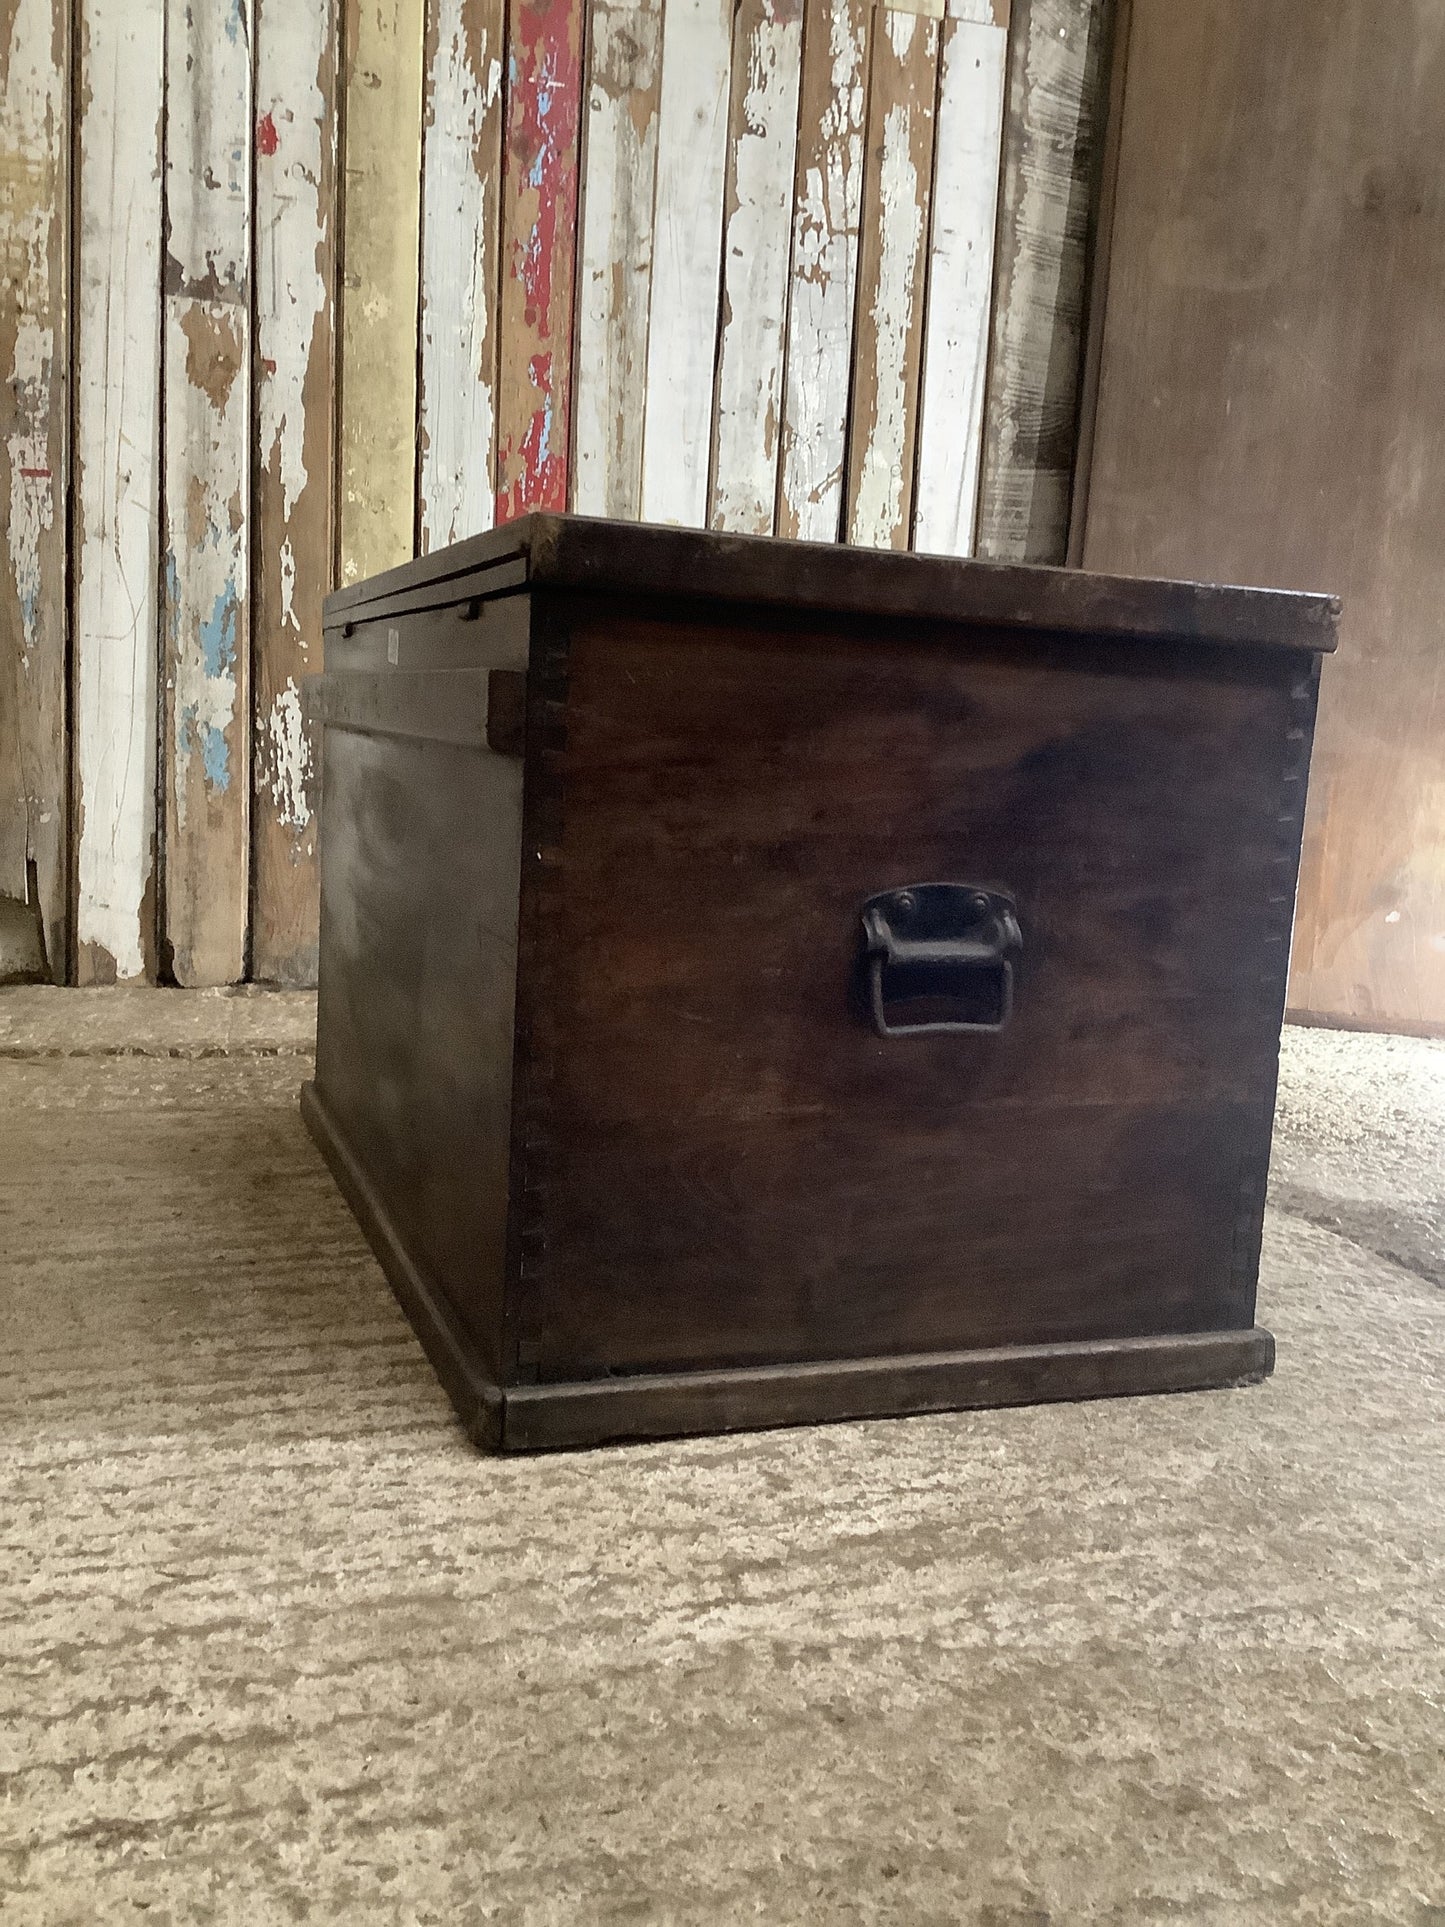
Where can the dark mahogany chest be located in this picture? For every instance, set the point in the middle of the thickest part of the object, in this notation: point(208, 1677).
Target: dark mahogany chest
point(765, 983)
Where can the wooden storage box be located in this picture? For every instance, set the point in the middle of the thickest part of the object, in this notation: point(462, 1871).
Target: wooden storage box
point(764, 982)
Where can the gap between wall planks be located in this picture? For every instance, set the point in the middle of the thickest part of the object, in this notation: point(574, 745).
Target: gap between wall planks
point(121, 63)
point(205, 490)
point(34, 436)
point(296, 91)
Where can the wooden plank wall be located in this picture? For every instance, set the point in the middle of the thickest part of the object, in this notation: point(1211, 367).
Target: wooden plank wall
point(338, 281)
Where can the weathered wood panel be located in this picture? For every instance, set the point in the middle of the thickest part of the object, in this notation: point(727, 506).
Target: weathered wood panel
point(762, 150)
point(973, 60)
point(1052, 130)
point(34, 199)
point(380, 267)
point(206, 489)
point(461, 192)
point(687, 260)
point(828, 199)
point(888, 349)
point(619, 177)
point(1271, 408)
point(539, 254)
point(295, 161)
point(117, 453)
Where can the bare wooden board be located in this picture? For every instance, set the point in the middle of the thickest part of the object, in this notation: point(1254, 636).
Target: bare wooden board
point(295, 356)
point(619, 178)
point(888, 347)
point(1271, 408)
point(206, 489)
point(762, 148)
point(828, 199)
point(973, 61)
point(687, 260)
point(1052, 130)
point(380, 241)
point(539, 243)
point(34, 349)
point(461, 191)
point(121, 68)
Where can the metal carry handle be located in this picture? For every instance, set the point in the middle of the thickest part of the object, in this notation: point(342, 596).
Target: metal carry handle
point(952, 938)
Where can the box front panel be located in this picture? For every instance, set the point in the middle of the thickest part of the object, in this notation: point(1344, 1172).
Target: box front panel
point(740, 1167)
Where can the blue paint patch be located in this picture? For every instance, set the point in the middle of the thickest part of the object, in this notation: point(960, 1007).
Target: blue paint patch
point(218, 634)
point(236, 25)
point(216, 758)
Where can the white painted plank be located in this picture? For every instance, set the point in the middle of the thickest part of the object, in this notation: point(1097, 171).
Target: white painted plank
point(767, 56)
point(34, 203)
point(461, 183)
point(206, 490)
point(824, 272)
point(619, 176)
point(692, 142)
point(296, 92)
point(117, 482)
point(972, 75)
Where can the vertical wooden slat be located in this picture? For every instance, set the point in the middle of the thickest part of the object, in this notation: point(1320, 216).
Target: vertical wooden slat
point(824, 275)
point(117, 449)
point(692, 134)
point(615, 248)
point(205, 489)
point(539, 237)
point(34, 197)
point(295, 148)
point(973, 61)
point(888, 350)
point(763, 134)
point(1052, 129)
point(461, 192)
point(380, 266)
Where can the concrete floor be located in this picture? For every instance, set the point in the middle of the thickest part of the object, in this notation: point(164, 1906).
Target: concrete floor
point(276, 1645)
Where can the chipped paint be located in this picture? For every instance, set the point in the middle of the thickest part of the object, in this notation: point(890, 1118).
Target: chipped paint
point(539, 212)
point(767, 54)
point(461, 170)
point(289, 761)
point(824, 274)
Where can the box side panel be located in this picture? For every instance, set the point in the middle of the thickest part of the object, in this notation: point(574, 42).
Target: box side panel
point(421, 852)
point(739, 1169)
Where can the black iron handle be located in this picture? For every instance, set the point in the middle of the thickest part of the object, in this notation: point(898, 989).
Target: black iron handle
point(949, 949)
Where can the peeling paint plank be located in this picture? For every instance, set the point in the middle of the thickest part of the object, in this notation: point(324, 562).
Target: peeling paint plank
point(892, 262)
point(295, 265)
point(692, 150)
point(1053, 124)
point(461, 191)
point(205, 488)
point(539, 254)
point(824, 273)
point(973, 61)
point(34, 198)
point(615, 267)
point(380, 273)
point(117, 401)
point(763, 138)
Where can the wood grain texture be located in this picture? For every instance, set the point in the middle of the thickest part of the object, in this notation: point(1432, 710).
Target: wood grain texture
point(205, 490)
point(762, 149)
point(296, 85)
point(692, 156)
point(460, 272)
point(380, 243)
point(615, 248)
point(1271, 407)
point(973, 62)
point(117, 456)
point(893, 248)
point(539, 247)
point(34, 437)
point(1052, 132)
point(828, 199)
